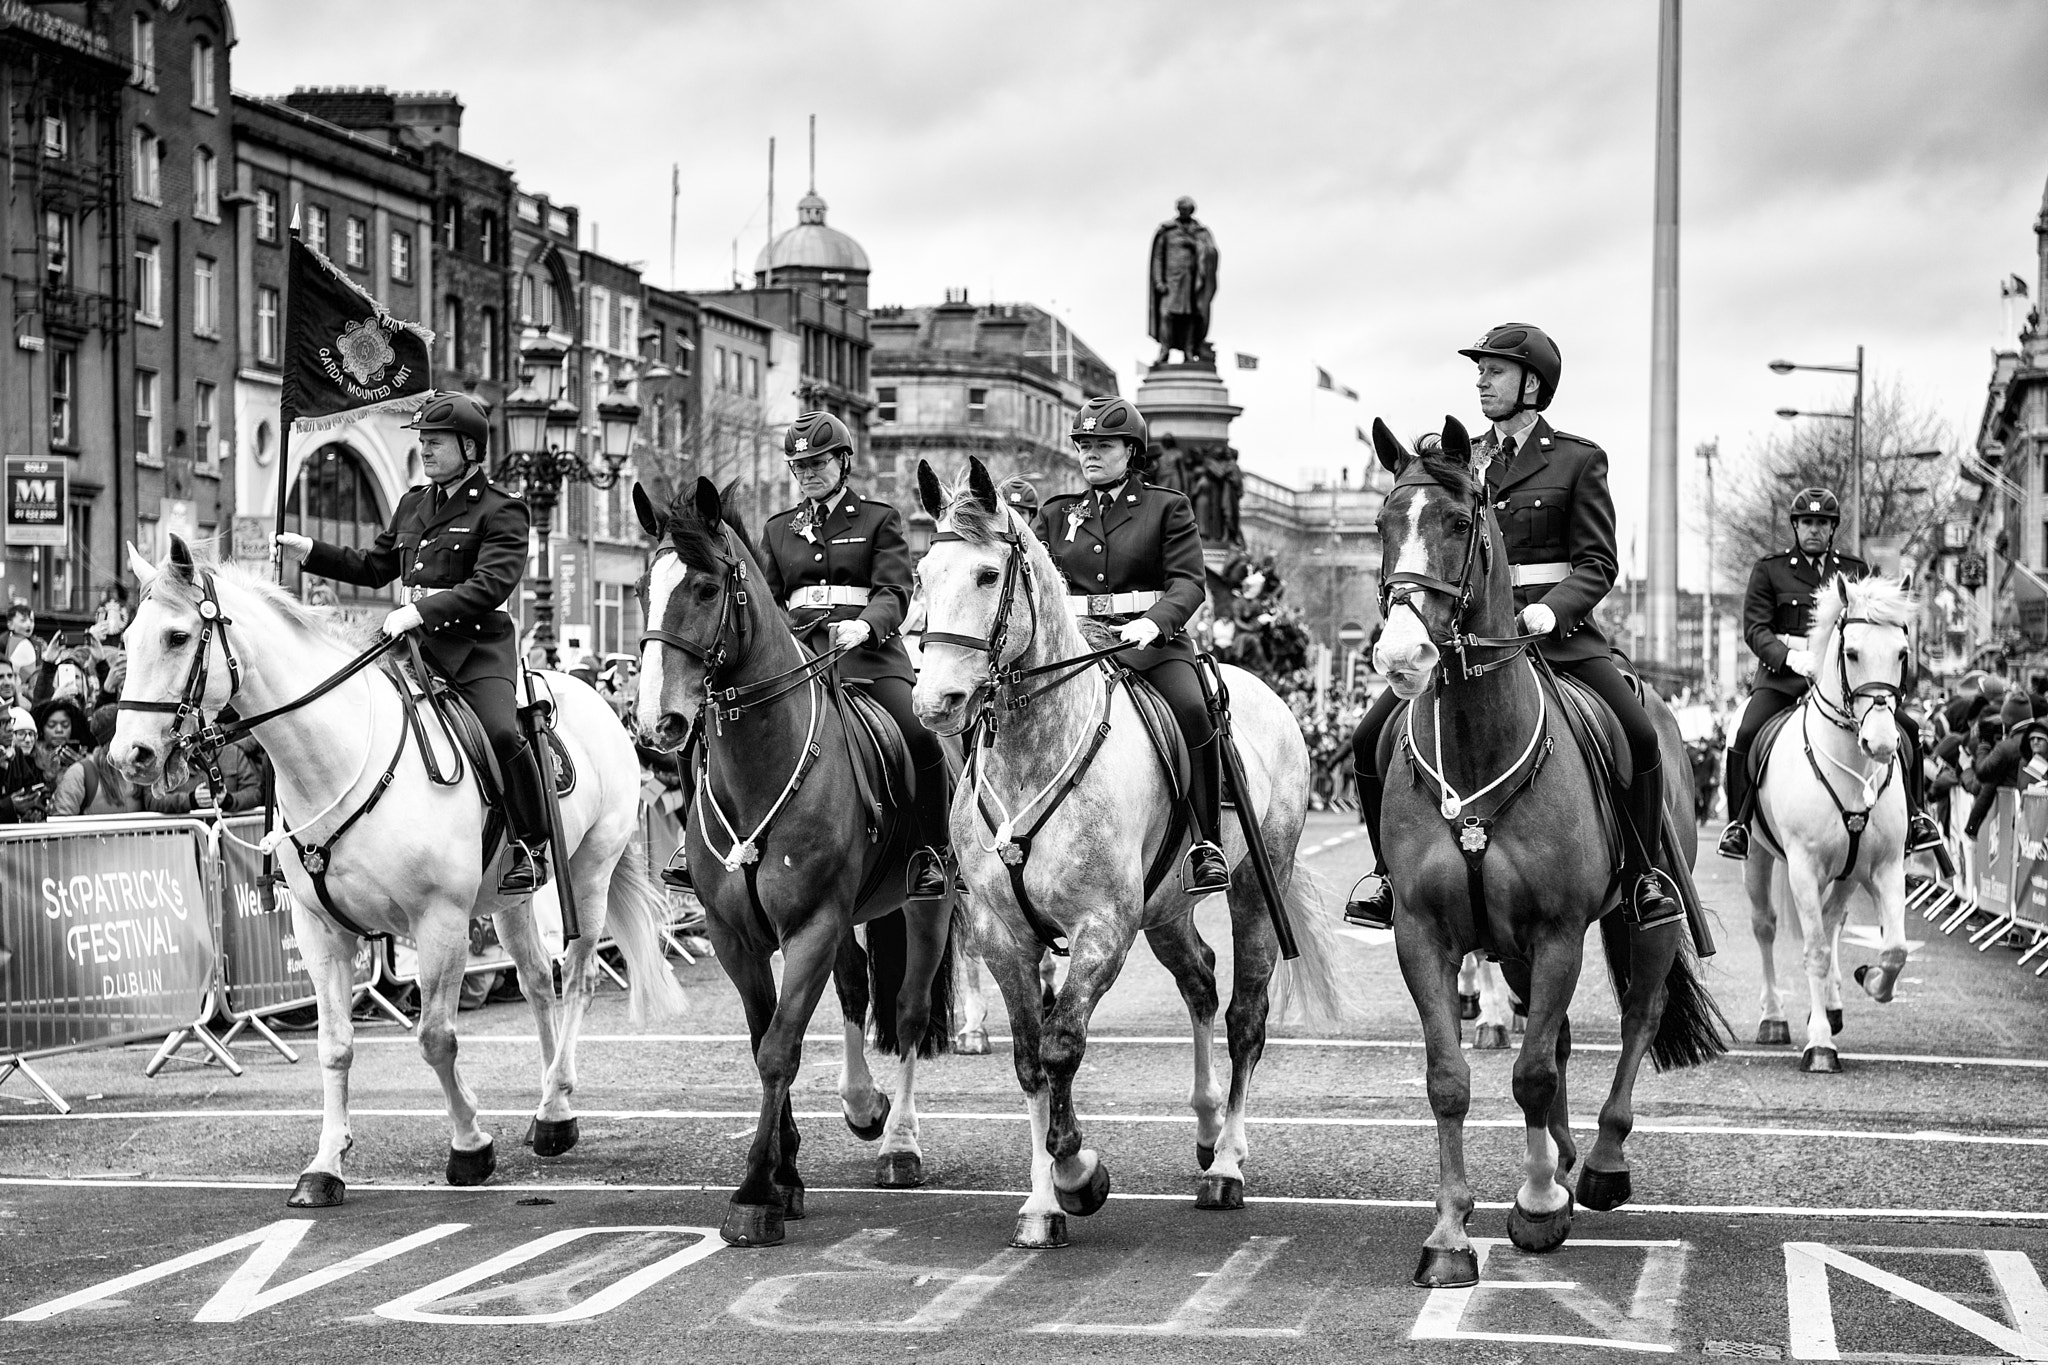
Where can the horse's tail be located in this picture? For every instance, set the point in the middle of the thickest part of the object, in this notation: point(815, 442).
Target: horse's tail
point(1692, 1029)
point(888, 958)
point(1309, 990)
point(635, 917)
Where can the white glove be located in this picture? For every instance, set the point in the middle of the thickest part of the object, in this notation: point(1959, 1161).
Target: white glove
point(287, 545)
point(1141, 632)
point(1800, 661)
point(851, 634)
point(404, 619)
point(1538, 619)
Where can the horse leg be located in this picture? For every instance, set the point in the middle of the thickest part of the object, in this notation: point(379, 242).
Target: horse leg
point(864, 1108)
point(1542, 1216)
point(758, 1206)
point(442, 936)
point(556, 1132)
point(972, 1040)
point(521, 938)
point(1496, 1013)
point(1080, 1179)
point(1888, 889)
point(1040, 1223)
point(1180, 949)
point(1605, 1182)
point(900, 1163)
point(1803, 877)
point(1470, 970)
point(329, 953)
point(1763, 923)
point(1432, 976)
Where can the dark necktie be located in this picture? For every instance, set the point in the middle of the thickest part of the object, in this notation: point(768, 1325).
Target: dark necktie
point(1507, 451)
point(1105, 498)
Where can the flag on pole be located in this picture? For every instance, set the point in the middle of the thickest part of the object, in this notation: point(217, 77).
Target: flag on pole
point(1247, 362)
point(1323, 380)
point(344, 355)
point(1352, 394)
point(2012, 286)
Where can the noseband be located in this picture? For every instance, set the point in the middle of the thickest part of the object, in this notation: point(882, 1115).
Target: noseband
point(1398, 587)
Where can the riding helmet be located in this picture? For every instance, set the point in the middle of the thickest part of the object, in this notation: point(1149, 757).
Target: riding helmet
point(816, 433)
point(1529, 347)
point(456, 412)
point(1816, 502)
point(1111, 416)
point(1018, 492)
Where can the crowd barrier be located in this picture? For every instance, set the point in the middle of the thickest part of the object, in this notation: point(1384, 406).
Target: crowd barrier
point(2000, 892)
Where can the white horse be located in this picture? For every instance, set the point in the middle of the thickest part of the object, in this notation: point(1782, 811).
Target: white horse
point(988, 578)
point(413, 863)
point(1831, 811)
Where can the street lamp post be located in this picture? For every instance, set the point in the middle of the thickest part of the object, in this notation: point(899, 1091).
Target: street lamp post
point(1855, 417)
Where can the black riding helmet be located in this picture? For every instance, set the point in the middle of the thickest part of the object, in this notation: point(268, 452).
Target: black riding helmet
point(456, 412)
point(1532, 349)
point(816, 433)
point(1112, 416)
point(1816, 502)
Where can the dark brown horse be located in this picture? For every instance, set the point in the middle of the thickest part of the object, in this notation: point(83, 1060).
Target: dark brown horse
point(784, 850)
point(1488, 808)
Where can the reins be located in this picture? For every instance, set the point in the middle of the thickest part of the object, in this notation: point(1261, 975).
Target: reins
point(1842, 715)
point(1400, 585)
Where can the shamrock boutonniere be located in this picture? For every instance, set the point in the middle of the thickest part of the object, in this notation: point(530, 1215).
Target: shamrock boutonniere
point(805, 522)
point(1076, 514)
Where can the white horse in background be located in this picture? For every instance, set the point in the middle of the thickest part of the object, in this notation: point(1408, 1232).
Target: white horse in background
point(1831, 811)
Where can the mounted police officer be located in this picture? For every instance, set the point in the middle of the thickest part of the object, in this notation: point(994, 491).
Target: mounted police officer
point(1133, 558)
point(1551, 498)
point(1777, 613)
point(838, 564)
point(458, 545)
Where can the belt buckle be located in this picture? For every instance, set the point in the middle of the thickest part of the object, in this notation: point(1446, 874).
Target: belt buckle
point(417, 594)
point(1101, 603)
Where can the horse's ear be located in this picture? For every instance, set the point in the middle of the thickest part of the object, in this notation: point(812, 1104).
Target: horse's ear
point(980, 486)
point(643, 508)
point(710, 510)
point(1385, 444)
point(1457, 442)
point(725, 494)
point(144, 571)
point(181, 556)
point(929, 492)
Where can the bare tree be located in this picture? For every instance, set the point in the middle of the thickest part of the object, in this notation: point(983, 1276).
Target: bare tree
point(726, 439)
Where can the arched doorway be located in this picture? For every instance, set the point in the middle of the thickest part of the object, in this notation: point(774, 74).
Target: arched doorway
point(335, 499)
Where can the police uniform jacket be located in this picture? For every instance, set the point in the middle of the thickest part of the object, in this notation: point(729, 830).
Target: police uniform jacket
point(1553, 507)
point(1144, 540)
point(1780, 603)
point(854, 542)
point(474, 545)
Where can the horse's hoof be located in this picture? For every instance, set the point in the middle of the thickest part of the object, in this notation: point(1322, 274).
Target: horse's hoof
point(752, 1225)
point(1439, 1269)
point(472, 1168)
point(1604, 1190)
point(1219, 1193)
point(317, 1190)
point(1040, 1231)
point(1774, 1031)
point(1090, 1196)
point(1205, 1155)
point(1468, 1005)
point(973, 1042)
point(1490, 1038)
point(1835, 1019)
point(873, 1130)
point(1540, 1232)
point(1820, 1061)
point(1877, 981)
point(792, 1199)
point(899, 1171)
point(551, 1137)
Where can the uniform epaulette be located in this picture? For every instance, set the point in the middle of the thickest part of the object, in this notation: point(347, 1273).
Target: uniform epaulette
point(1573, 436)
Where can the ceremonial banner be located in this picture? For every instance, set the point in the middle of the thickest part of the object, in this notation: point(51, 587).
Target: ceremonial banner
point(345, 356)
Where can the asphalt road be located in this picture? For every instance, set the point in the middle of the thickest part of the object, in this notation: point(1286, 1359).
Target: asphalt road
point(1898, 1211)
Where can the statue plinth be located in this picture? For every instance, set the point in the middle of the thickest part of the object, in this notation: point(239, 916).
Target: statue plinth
point(1186, 401)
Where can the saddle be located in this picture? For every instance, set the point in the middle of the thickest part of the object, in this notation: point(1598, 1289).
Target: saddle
point(880, 750)
point(1172, 747)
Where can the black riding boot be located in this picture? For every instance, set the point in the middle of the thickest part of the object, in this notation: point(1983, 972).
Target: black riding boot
point(1735, 838)
point(1372, 909)
point(924, 879)
point(1207, 872)
point(677, 873)
point(526, 814)
point(1647, 893)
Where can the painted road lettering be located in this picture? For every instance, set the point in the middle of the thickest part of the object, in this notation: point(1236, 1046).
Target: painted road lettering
point(1510, 1279)
point(766, 1304)
point(1815, 1329)
point(1200, 1314)
point(557, 1285)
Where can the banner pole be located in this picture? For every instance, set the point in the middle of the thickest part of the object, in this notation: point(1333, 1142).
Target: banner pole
point(268, 880)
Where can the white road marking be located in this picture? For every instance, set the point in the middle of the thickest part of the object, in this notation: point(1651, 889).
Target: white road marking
point(501, 1187)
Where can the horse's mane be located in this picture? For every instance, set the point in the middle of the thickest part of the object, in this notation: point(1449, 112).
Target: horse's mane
point(974, 522)
point(1880, 599)
point(1432, 462)
point(176, 586)
point(697, 543)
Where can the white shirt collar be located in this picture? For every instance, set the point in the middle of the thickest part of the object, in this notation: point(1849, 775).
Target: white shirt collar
point(1518, 426)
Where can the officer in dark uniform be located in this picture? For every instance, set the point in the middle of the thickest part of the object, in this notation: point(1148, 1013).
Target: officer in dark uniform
point(1550, 496)
point(1132, 557)
point(1777, 613)
point(838, 563)
point(459, 547)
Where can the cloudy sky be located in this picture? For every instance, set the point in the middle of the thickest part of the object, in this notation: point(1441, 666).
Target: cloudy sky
point(1384, 179)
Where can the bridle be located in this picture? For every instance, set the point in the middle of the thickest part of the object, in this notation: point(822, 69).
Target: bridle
point(1877, 692)
point(1398, 587)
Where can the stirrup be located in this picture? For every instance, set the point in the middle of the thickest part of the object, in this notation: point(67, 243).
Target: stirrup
point(677, 874)
point(527, 874)
point(1922, 834)
point(924, 876)
point(1735, 841)
point(1205, 871)
point(1641, 891)
point(1373, 911)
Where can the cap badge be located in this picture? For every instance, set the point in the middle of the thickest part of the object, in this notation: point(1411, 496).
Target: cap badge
point(1813, 507)
point(802, 444)
point(1087, 424)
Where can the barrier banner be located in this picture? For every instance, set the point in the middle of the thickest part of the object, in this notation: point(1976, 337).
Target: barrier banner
point(106, 931)
point(1994, 848)
point(2030, 878)
point(261, 967)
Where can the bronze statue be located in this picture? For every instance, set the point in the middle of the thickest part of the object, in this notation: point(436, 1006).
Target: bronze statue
point(1183, 286)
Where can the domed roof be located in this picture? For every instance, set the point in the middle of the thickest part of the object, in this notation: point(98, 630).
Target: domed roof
point(811, 244)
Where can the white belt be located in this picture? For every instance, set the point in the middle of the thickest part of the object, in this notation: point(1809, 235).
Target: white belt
point(1536, 575)
point(819, 595)
point(416, 593)
point(1113, 603)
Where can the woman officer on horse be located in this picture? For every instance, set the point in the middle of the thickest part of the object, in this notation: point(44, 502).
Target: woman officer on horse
point(1550, 490)
point(1133, 558)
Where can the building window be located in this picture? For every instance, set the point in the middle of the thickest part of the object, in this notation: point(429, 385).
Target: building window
point(205, 185)
point(57, 246)
point(205, 422)
point(267, 347)
point(597, 330)
point(266, 215)
point(753, 376)
point(401, 254)
point(356, 244)
point(451, 225)
point(629, 325)
point(149, 166)
point(487, 238)
point(142, 52)
point(63, 390)
point(202, 77)
point(718, 367)
point(451, 333)
point(205, 297)
point(316, 229)
point(977, 407)
point(148, 436)
point(486, 342)
point(885, 405)
point(56, 137)
point(149, 284)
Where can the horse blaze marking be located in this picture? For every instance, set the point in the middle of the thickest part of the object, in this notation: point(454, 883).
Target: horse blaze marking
point(763, 1303)
point(1197, 1315)
point(1810, 1308)
point(1645, 1324)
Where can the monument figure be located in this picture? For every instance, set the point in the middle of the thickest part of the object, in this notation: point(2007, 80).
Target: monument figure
point(1215, 484)
point(1183, 280)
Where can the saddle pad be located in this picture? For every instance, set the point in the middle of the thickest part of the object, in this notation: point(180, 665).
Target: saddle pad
point(1759, 761)
point(884, 752)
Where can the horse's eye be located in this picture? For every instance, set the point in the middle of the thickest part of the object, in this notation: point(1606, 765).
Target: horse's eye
point(704, 592)
point(984, 578)
point(1463, 526)
point(177, 639)
point(1855, 656)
